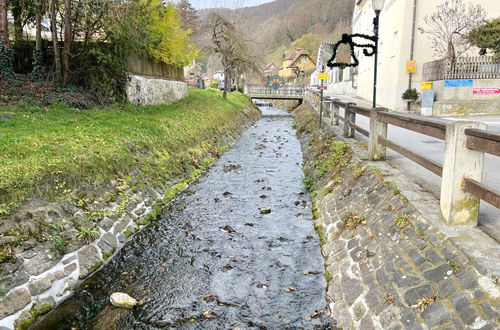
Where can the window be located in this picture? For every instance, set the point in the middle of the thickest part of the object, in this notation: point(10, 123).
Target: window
point(394, 43)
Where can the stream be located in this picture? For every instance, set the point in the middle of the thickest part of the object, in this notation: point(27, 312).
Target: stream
point(237, 250)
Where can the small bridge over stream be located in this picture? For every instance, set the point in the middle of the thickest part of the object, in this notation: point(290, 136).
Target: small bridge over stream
point(263, 92)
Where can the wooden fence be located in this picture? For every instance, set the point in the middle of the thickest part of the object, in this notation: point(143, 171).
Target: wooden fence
point(462, 164)
point(149, 67)
point(475, 67)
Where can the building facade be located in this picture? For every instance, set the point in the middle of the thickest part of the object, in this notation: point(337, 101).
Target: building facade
point(297, 67)
point(397, 33)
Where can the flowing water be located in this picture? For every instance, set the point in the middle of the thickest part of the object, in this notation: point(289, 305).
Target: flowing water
point(213, 260)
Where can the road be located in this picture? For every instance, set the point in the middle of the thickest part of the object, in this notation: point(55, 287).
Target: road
point(489, 216)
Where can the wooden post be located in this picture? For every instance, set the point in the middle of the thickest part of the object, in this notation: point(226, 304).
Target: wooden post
point(457, 206)
point(350, 117)
point(335, 112)
point(376, 151)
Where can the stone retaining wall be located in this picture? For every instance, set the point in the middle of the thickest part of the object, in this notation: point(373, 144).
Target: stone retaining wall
point(388, 267)
point(145, 90)
point(41, 278)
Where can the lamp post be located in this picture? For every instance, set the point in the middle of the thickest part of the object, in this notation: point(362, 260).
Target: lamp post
point(377, 5)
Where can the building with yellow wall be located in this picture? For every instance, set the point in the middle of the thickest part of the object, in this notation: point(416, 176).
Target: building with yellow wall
point(297, 67)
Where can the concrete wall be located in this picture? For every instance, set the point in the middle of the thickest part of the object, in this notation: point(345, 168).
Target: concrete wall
point(394, 47)
point(343, 87)
point(143, 90)
point(461, 100)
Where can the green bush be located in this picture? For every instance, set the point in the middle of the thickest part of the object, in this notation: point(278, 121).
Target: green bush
point(410, 94)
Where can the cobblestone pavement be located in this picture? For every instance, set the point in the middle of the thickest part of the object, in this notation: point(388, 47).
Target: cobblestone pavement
point(392, 269)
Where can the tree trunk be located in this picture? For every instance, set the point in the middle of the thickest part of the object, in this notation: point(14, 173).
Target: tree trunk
point(226, 75)
point(57, 51)
point(67, 42)
point(17, 12)
point(4, 23)
point(38, 24)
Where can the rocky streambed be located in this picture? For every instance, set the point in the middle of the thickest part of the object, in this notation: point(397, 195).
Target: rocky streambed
point(237, 250)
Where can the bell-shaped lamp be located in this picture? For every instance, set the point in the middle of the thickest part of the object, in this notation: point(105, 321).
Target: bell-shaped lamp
point(378, 5)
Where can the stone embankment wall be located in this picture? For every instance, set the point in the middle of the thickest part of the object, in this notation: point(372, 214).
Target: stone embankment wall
point(39, 277)
point(386, 266)
point(146, 90)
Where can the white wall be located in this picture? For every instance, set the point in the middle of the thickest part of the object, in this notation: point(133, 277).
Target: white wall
point(142, 90)
point(394, 50)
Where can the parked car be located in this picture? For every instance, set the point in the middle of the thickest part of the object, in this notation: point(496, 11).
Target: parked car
point(221, 87)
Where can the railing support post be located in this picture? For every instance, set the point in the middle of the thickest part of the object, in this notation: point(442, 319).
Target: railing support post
point(335, 112)
point(457, 206)
point(350, 117)
point(376, 151)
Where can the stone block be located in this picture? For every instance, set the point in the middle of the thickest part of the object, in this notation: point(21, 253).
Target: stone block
point(70, 268)
point(14, 302)
point(366, 323)
point(42, 261)
point(39, 286)
point(107, 243)
point(467, 279)
point(436, 314)
point(412, 295)
point(88, 258)
point(438, 274)
point(352, 289)
point(375, 300)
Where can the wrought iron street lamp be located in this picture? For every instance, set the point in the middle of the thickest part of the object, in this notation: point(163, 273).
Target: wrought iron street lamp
point(369, 49)
point(377, 5)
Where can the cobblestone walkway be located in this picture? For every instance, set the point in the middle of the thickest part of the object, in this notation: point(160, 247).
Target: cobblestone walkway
point(390, 268)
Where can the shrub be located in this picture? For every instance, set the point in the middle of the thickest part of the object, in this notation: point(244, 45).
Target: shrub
point(410, 94)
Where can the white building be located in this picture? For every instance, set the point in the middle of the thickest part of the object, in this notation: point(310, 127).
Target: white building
point(395, 45)
point(219, 76)
point(340, 81)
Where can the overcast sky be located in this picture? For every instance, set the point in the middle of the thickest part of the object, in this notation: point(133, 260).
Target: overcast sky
point(226, 3)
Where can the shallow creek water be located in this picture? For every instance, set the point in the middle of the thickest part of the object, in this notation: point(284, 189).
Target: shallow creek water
point(213, 261)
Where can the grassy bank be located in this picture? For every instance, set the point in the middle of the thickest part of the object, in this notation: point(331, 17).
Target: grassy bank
point(325, 155)
point(49, 152)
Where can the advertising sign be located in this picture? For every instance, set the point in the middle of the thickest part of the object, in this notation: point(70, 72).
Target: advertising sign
point(458, 83)
point(322, 87)
point(275, 82)
point(486, 91)
point(323, 76)
point(411, 66)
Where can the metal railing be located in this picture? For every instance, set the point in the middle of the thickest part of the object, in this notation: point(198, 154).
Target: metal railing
point(466, 143)
point(474, 67)
point(287, 90)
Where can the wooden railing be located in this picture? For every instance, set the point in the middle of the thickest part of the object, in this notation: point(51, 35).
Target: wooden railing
point(475, 67)
point(466, 143)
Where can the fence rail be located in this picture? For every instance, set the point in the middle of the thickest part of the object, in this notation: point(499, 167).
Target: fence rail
point(288, 90)
point(466, 143)
point(474, 67)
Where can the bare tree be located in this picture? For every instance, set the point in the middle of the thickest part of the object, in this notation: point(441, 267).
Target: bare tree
point(449, 26)
point(233, 49)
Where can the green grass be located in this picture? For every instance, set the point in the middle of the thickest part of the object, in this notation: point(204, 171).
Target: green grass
point(49, 151)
